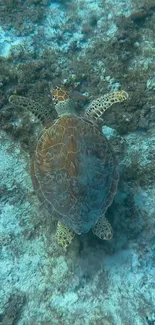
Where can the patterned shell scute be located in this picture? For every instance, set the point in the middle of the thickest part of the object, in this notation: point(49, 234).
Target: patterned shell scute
point(74, 172)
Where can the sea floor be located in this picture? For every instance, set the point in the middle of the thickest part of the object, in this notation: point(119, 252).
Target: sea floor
point(91, 48)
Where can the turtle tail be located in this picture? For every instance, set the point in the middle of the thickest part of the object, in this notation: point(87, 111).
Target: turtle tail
point(34, 107)
point(98, 106)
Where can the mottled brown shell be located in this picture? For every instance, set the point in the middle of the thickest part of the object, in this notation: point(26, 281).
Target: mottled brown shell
point(74, 172)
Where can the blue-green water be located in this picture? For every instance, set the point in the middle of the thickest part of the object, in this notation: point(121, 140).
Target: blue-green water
point(90, 48)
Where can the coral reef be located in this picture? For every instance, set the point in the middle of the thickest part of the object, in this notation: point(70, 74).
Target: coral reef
point(91, 48)
point(13, 309)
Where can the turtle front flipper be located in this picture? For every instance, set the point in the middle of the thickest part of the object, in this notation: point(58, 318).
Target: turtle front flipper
point(98, 106)
point(36, 108)
point(64, 235)
point(103, 229)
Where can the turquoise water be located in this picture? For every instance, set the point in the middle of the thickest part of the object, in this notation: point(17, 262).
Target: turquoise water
point(87, 48)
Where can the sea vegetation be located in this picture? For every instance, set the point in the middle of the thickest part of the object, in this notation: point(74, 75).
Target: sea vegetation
point(22, 15)
point(123, 60)
point(13, 309)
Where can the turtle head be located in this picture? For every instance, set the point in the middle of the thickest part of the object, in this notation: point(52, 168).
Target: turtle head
point(59, 94)
point(62, 101)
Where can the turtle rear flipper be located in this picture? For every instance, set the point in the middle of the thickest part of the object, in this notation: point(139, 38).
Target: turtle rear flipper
point(64, 235)
point(103, 229)
point(36, 108)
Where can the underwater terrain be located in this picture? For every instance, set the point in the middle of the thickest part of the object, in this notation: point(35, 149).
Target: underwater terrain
point(90, 48)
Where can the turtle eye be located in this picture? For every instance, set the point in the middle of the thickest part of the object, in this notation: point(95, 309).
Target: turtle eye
point(54, 100)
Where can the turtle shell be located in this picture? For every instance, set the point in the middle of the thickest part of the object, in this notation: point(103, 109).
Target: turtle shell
point(74, 172)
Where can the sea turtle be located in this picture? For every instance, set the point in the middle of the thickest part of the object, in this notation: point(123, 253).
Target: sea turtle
point(74, 170)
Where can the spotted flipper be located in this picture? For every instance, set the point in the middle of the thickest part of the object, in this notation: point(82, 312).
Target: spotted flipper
point(98, 106)
point(103, 229)
point(64, 235)
point(36, 108)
